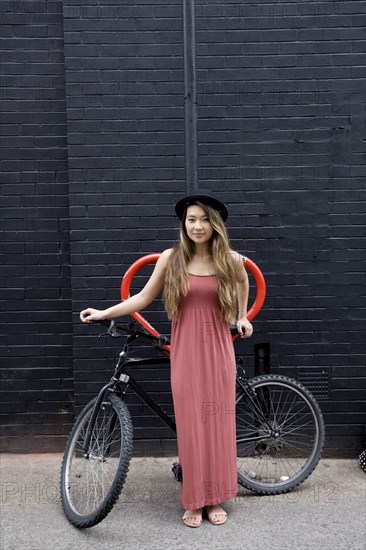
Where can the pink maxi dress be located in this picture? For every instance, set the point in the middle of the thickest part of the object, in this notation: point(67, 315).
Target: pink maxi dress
point(203, 387)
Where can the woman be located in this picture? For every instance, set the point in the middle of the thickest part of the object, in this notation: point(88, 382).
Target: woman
point(203, 281)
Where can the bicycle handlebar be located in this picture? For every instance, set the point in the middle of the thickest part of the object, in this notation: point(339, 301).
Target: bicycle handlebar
point(152, 258)
point(114, 330)
point(163, 340)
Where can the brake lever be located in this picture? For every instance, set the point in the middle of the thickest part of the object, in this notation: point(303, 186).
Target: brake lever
point(112, 331)
point(162, 340)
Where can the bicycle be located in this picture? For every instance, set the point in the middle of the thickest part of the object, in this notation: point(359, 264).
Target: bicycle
point(280, 434)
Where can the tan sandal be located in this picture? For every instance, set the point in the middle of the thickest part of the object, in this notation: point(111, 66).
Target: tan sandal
point(192, 514)
point(216, 510)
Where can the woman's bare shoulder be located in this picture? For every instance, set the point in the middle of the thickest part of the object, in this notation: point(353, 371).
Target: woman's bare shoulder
point(239, 265)
point(165, 255)
point(236, 256)
point(167, 252)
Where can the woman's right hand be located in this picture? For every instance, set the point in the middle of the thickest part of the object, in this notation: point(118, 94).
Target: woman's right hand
point(89, 315)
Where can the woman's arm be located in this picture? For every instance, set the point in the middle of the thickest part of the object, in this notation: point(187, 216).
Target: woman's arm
point(242, 287)
point(137, 302)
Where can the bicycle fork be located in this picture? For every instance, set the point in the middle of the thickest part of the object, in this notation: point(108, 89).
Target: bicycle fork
point(97, 405)
point(91, 423)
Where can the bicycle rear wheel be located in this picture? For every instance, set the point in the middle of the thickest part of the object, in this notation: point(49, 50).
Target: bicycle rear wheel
point(280, 434)
point(92, 483)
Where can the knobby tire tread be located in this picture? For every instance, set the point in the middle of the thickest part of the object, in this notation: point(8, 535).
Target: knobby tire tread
point(289, 382)
point(106, 506)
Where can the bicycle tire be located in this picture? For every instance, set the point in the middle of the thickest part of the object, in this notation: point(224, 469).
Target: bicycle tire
point(280, 434)
point(90, 486)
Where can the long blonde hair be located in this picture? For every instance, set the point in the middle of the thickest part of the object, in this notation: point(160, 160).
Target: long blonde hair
point(176, 278)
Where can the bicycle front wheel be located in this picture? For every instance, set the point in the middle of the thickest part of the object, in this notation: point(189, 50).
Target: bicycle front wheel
point(92, 482)
point(280, 434)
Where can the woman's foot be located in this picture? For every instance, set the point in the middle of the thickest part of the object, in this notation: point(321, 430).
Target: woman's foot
point(216, 514)
point(193, 518)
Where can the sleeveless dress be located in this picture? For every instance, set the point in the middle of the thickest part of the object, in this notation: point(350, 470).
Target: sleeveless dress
point(203, 387)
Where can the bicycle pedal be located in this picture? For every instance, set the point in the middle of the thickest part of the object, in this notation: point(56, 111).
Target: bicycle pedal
point(177, 471)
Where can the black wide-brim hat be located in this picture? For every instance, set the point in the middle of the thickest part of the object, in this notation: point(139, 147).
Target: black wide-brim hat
point(206, 197)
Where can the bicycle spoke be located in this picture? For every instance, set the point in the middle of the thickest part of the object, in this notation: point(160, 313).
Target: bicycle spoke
point(92, 481)
point(278, 437)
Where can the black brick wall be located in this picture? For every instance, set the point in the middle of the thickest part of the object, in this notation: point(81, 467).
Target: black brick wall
point(124, 76)
point(281, 107)
point(281, 129)
point(36, 357)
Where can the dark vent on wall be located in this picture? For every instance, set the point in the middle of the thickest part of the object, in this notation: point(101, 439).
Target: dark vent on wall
point(315, 380)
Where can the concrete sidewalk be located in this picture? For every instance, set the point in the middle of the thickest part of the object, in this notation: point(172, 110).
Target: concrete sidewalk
point(327, 512)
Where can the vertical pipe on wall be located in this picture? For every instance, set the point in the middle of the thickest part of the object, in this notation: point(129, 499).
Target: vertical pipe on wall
point(190, 99)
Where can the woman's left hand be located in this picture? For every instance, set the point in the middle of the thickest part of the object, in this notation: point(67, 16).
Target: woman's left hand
point(245, 327)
